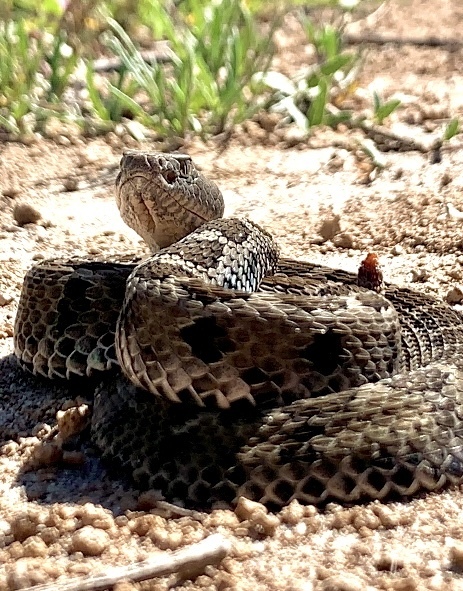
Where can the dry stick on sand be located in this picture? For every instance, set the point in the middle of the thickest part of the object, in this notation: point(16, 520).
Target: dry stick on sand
point(385, 38)
point(186, 563)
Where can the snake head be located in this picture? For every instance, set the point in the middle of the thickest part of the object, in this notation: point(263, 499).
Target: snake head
point(163, 197)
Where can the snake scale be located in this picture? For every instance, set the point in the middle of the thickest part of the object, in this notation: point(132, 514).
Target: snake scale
point(245, 373)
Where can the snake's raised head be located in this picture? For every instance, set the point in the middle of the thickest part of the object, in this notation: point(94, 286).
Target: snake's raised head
point(163, 197)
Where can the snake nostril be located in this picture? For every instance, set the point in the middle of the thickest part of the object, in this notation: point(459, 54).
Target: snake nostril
point(170, 176)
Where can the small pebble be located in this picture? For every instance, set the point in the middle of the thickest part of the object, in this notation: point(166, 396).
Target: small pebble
point(295, 136)
point(343, 240)
point(407, 584)
point(5, 299)
point(90, 541)
point(35, 546)
point(388, 518)
point(62, 140)
point(345, 582)
point(292, 513)
point(419, 275)
point(73, 420)
point(456, 555)
point(455, 295)
point(47, 453)
point(446, 179)
point(12, 228)
point(24, 524)
point(71, 184)
point(389, 562)
point(10, 192)
point(25, 213)
point(330, 227)
point(268, 121)
point(97, 517)
point(257, 515)
point(124, 586)
point(136, 130)
point(455, 274)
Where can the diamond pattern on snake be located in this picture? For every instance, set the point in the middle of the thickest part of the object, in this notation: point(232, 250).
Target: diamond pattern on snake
point(228, 370)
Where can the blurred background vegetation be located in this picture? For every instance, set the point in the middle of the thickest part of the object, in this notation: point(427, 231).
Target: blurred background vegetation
point(174, 67)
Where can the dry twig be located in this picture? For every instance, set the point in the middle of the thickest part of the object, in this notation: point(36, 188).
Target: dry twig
point(186, 563)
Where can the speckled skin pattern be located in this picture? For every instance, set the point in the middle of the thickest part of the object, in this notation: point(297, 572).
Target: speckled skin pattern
point(244, 373)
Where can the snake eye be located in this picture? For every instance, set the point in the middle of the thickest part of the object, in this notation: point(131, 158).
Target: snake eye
point(170, 176)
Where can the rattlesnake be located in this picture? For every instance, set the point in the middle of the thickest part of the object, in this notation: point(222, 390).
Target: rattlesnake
point(245, 373)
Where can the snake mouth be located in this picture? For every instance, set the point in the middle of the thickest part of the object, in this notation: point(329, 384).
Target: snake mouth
point(146, 195)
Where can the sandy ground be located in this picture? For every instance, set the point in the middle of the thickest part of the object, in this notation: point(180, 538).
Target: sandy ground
point(322, 201)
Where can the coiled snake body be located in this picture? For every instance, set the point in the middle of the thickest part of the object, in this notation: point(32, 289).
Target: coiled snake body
point(244, 373)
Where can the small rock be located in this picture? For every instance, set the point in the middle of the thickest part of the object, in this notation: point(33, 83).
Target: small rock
point(136, 130)
point(62, 140)
point(455, 295)
point(125, 586)
point(389, 562)
point(292, 513)
point(30, 138)
point(22, 575)
point(97, 517)
point(72, 421)
point(406, 584)
point(71, 184)
point(90, 541)
point(337, 161)
point(330, 227)
point(397, 250)
point(455, 274)
point(245, 508)
point(148, 500)
point(456, 555)
point(25, 213)
point(12, 229)
point(10, 192)
point(419, 275)
point(254, 130)
point(40, 233)
point(50, 535)
point(387, 517)
point(47, 453)
point(23, 526)
point(345, 582)
point(268, 121)
point(343, 240)
point(35, 546)
point(5, 299)
point(445, 179)
point(453, 212)
point(257, 515)
point(294, 136)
